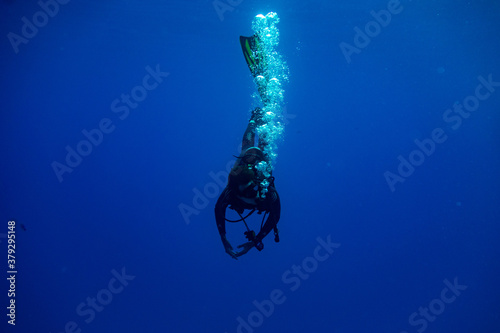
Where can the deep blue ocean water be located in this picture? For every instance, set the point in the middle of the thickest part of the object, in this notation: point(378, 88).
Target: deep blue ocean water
point(387, 173)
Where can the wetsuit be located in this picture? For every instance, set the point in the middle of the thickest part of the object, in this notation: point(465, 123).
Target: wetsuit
point(246, 196)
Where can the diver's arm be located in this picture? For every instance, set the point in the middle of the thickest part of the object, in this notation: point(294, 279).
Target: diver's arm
point(220, 211)
point(273, 218)
point(220, 219)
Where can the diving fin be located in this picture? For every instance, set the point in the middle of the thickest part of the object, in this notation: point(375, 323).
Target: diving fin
point(250, 47)
point(253, 57)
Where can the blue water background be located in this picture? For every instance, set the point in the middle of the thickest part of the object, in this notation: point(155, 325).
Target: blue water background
point(121, 207)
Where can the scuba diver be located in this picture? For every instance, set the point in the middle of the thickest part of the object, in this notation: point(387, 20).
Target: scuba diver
point(249, 186)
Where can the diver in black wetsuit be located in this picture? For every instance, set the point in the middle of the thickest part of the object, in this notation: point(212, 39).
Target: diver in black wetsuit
point(250, 182)
point(244, 191)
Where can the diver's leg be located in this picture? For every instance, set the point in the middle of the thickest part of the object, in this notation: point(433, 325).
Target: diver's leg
point(249, 136)
point(262, 89)
point(262, 143)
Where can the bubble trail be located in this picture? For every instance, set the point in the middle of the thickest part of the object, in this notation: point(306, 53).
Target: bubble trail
point(274, 72)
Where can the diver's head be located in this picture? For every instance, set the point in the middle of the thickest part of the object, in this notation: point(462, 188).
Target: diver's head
point(244, 172)
point(253, 156)
point(243, 175)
